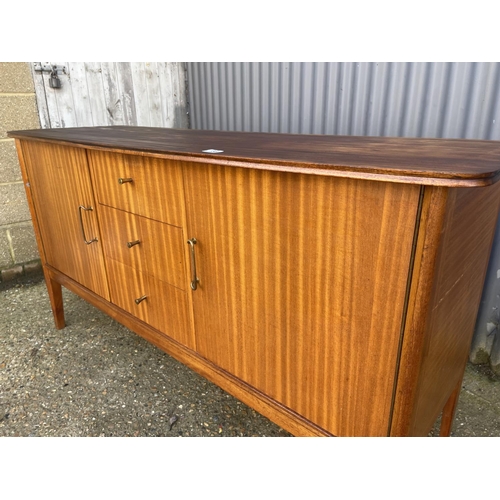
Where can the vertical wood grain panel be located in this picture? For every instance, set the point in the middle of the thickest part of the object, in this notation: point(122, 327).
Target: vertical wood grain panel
point(60, 182)
point(140, 94)
point(61, 100)
point(117, 229)
point(154, 94)
point(296, 289)
point(127, 284)
point(53, 288)
point(80, 90)
point(164, 252)
point(421, 280)
point(468, 234)
point(159, 189)
point(455, 237)
point(41, 99)
point(160, 252)
point(112, 96)
point(179, 97)
point(125, 85)
point(155, 191)
point(55, 119)
point(169, 308)
point(165, 306)
point(167, 107)
point(113, 93)
point(95, 85)
point(107, 169)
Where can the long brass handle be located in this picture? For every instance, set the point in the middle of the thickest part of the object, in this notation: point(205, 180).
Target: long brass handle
point(89, 209)
point(195, 280)
point(123, 180)
point(130, 244)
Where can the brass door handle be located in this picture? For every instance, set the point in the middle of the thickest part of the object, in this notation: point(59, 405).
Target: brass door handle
point(89, 209)
point(123, 180)
point(130, 244)
point(195, 280)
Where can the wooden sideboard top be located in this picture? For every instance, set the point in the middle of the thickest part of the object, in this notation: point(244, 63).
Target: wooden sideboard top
point(445, 162)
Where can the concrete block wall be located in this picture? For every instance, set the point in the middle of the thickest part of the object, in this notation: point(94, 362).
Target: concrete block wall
point(18, 110)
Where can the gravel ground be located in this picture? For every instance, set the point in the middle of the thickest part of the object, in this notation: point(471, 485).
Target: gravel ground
point(97, 378)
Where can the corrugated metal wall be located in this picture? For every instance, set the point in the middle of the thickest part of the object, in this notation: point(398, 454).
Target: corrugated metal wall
point(453, 100)
point(456, 100)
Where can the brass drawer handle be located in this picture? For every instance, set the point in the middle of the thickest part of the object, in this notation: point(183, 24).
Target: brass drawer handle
point(89, 209)
point(130, 244)
point(140, 299)
point(122, 180)
point(195, 280)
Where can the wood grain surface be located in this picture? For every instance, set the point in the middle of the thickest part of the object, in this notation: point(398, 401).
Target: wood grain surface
point(119, 228)
point(455, 237)
point(107, 168)
point(170, 314)
point(127, 284)
point(160, 190)
point(421, 282)
point(164, 250)
point(165, 306)
point(155, 191)
point(53, 288)
point(60, 183)
point(468, 232)
point(302, 287)
point(452, 162)
point(160, 251)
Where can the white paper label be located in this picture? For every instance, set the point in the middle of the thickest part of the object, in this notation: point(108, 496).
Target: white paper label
point(212, 151)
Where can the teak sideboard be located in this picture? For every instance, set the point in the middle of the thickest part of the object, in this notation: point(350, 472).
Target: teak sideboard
point(332, 283)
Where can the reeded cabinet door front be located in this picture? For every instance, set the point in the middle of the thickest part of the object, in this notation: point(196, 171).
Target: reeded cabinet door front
point(302, 283)
point(66, 212)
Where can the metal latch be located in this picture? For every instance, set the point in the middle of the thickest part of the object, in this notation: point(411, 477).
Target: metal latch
point(53, 69)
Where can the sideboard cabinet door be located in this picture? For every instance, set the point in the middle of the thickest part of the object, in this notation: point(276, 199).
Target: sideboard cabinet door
point(66, 212)
point(302, 285)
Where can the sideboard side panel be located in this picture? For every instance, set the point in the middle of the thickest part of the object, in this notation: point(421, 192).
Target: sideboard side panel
point(463, 260)
point(438, 339)
point(29, 197)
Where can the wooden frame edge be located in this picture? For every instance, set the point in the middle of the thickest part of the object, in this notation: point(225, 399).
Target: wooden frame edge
point(29, 197)
point(427, 250)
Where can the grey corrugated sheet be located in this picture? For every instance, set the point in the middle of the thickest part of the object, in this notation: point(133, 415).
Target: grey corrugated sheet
point(456, 100)
point(453, 100)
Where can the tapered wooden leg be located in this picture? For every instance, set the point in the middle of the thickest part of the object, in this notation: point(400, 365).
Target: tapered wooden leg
point(56, 302)
point(449, 411)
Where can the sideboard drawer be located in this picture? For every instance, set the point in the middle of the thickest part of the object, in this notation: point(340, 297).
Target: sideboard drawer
point(169, 312)
point(114, 180)
point(151, 187)
point(160, 190)
point(129, 289)
point(164, 252)
point(155, 302)
point(147, 245)
point(122, 237)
